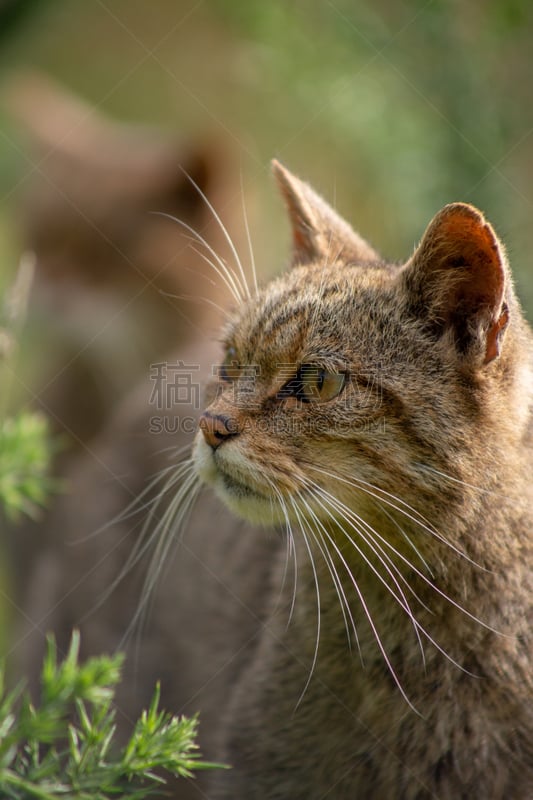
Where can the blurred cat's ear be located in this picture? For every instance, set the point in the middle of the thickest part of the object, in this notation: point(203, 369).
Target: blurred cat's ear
point(183, 181)
point(88, 154)
point(457, 279)
point(318, 231)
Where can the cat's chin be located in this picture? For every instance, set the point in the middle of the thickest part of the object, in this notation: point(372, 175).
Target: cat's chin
point(245, 502)
point(250, 506)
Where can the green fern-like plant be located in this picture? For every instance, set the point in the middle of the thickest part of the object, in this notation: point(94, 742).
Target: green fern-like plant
point(65, 747)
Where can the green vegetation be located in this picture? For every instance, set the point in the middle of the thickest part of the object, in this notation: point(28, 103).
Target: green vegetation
point(65, 748)
point(25, 448)
point(24, 463)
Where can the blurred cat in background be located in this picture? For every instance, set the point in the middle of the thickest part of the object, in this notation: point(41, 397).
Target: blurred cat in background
point(117, 283)
point(119, 219)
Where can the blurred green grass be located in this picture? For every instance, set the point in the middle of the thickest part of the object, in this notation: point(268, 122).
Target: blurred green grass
point(391, 109)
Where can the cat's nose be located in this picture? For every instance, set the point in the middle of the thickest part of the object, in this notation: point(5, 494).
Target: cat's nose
point(217, 428)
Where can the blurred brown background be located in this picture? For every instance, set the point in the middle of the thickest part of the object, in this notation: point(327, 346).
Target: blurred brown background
point(391, 109)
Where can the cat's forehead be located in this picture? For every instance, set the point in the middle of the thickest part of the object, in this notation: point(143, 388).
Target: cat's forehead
point(306, 310)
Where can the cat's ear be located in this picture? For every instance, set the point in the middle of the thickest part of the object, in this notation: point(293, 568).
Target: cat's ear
point(318, 231)
point(456, 281)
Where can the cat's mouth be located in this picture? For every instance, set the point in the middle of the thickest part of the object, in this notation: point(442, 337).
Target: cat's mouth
point(254, 492)
point(229, 472)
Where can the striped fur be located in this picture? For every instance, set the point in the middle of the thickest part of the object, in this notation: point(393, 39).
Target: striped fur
point(407, 499)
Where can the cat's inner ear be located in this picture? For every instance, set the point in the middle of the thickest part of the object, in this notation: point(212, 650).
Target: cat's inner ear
point(456, 280)
point(318, 232)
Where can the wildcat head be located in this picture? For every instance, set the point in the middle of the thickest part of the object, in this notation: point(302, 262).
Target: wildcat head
point(348, 381)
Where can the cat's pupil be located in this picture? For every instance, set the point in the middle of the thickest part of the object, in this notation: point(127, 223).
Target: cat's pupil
point(312, 383)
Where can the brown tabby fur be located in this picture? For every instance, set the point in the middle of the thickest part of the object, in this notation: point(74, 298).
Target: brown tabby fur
point(387, 652)
point(429, 445)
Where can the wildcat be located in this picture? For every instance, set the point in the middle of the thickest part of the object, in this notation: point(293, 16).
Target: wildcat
point(388, 429)
point(378, 418)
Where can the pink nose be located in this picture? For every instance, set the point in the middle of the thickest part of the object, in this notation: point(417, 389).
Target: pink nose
point(216, 428)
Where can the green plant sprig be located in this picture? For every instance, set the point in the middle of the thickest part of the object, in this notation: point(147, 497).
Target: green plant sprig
point(65, 747)
point(25, 454)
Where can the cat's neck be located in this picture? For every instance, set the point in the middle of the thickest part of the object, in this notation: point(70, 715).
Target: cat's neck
point(454, 577)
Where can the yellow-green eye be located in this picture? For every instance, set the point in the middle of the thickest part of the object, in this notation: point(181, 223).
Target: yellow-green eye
point(320, 385)
point(230, 369)
point(314, 384)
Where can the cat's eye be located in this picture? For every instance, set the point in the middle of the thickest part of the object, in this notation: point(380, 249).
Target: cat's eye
point(230, 369)
point(314, 384)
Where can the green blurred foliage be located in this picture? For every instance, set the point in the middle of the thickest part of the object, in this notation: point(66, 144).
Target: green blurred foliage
point(26, 448)
point(25, 455)
point(391, 108)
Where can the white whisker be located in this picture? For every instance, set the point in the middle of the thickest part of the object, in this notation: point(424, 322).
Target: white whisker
point(165, 534)
point(291, 549)
point(407, 538)
point(132, 509)
point(374, 629)
point(197, 299)
point(348, 514)
point(317, 589)
point(222, 270)
point(401, 599)
point(224, 230)
point(339, 588)
point(427, 468)
point(364, 529)
point(399, 505)
point(249, 240)
point(144, 540)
